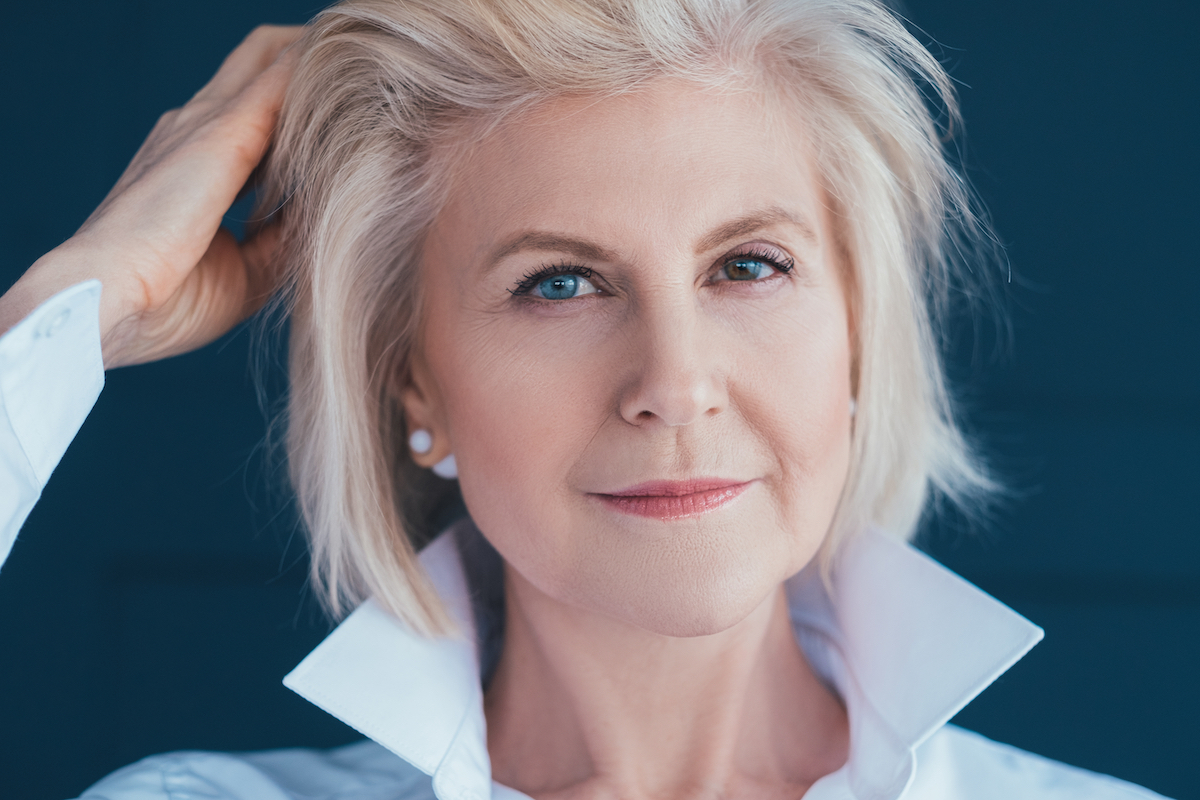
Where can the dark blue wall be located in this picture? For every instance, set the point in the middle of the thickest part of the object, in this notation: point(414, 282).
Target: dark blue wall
point(154, 600)
point(1082, 132)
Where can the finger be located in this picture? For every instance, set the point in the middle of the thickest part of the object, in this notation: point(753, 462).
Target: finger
point(169, 126)
point(169, 210)
point(250, 119)
point(241, 134)
point(211, 300)
point(261, 255)
point(200, 179)
point(249, 59)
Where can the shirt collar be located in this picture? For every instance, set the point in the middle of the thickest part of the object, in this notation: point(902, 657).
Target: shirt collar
point(905, 642)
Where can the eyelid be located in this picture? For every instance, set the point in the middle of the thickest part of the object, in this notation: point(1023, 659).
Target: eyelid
point(537, 288)
point(777, 258)
point(529, 282)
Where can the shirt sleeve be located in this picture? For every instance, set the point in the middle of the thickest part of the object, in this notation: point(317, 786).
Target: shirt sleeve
point(193, 776)
point(51, 372)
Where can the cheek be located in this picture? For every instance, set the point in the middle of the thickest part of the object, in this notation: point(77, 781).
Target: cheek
point(522, 406)
point(796, 399)
point(528, 404)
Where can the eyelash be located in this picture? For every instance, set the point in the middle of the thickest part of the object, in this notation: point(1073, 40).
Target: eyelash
point(532, 279)
point(760, 253)
point(756, 252)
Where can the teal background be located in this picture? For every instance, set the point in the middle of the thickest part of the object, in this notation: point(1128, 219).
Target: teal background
point(156, 596)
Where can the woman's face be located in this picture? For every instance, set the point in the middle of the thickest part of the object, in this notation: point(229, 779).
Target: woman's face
point(636, 344)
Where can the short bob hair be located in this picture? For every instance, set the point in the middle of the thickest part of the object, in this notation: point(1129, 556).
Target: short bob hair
point(386, 89)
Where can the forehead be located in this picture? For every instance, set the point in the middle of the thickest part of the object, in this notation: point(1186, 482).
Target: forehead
point(671, 156)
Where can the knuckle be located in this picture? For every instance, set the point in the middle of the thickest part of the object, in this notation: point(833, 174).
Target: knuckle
point(223, 119)
point(233, 134)
point(263, 34)
point(199, 106)
point(166, 122)
point(201, 109)
point(267, 35)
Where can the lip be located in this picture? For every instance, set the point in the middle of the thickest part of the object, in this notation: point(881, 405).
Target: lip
point(672, 500)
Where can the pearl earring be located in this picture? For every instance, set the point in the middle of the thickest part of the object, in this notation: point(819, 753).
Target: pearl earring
point(446, 468)
point(853, 406)
point(420, 441)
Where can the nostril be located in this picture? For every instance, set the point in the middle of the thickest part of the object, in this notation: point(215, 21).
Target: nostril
point(674, 377)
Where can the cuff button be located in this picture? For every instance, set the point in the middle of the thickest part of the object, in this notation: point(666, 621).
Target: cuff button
point(54, 324)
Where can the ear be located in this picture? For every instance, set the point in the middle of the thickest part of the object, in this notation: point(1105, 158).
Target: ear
point(423, 408)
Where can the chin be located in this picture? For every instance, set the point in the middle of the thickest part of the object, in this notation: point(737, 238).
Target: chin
point(696, 592)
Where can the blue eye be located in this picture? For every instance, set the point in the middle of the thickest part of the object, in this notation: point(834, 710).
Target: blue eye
point(556, 283)
point(561, 287)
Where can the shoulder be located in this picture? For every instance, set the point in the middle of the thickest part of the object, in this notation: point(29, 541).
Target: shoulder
point(361, 771)
point(956, 764)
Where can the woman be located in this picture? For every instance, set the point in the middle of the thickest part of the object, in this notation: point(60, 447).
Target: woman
point(649, 280)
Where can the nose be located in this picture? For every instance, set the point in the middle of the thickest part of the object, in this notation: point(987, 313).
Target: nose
point(677, 377)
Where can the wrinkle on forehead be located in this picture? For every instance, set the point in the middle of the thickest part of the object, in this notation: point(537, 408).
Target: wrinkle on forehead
point(497, 163)
point(518, 127)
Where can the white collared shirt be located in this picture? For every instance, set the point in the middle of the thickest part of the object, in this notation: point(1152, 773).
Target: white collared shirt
point(903, 641)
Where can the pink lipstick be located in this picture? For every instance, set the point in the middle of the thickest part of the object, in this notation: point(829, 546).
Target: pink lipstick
point(670, 500)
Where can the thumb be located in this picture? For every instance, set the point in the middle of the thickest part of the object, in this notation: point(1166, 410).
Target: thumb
point(262, 256)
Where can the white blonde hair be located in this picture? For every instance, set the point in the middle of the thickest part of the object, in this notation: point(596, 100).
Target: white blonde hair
point(358, 172)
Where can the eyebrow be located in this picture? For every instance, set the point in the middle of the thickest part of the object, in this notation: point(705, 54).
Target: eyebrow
point(755, 221)
point(551, 242)
point(581, 248)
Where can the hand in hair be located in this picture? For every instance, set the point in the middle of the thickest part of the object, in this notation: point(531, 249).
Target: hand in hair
point(173, 278)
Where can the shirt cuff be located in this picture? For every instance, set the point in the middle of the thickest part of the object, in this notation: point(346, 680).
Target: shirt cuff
point(51, 372)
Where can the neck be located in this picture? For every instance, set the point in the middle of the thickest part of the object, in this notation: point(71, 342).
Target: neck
point(587, 706)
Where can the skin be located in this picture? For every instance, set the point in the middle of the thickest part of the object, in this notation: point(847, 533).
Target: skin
point(173, 278)
point(644, 657)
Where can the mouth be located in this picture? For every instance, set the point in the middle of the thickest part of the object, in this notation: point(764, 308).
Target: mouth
point(672, 500)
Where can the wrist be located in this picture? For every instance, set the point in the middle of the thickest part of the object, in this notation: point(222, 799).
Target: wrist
point(60, 269)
